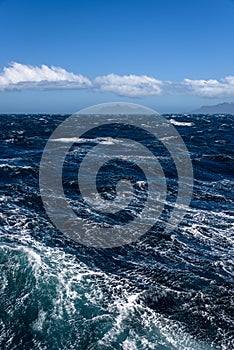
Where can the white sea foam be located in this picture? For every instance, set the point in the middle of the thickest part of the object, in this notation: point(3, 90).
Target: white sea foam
point(76, 284)
point(178, 123)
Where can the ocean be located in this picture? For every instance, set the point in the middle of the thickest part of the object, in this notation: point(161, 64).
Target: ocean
point(166, 291)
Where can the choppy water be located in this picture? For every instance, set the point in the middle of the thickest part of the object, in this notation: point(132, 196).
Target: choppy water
point(163, 292)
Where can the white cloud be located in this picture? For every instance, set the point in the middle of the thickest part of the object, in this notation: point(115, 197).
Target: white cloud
point(129, 85)
point(210, 88)
point(19, 76)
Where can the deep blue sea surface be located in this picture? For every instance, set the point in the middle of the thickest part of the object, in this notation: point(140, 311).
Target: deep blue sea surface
point(165, 292)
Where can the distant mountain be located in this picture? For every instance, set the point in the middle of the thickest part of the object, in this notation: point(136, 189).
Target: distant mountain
point(117, 108)
point(222, 108)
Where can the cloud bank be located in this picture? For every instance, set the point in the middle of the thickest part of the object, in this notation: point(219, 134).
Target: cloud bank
point(19, 77)
point(129, 85)
point(211, 88)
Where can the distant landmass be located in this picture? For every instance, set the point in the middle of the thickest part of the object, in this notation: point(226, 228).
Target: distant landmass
point(117, 108)
point(221, 108)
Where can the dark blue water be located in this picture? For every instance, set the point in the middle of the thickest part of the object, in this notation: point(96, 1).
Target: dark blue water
point(167, 291)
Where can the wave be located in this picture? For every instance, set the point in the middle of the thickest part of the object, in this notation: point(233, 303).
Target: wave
point(166, 291)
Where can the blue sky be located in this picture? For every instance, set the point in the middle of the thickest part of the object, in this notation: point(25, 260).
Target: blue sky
point(60, 56)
